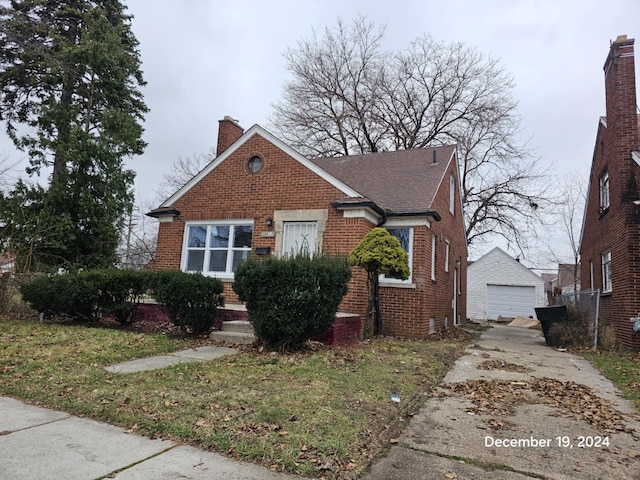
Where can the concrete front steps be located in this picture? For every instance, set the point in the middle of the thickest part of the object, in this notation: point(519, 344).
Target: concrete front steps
point(235, 328)
point(234, 331)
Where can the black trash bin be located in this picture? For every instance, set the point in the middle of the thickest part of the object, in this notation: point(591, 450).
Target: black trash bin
point(548, 317)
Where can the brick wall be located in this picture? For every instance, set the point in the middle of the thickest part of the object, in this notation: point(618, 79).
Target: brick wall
point(406, 311)
point(618, 228)
point(230, 191)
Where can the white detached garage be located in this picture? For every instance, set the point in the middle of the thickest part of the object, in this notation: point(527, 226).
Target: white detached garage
point(500, 286)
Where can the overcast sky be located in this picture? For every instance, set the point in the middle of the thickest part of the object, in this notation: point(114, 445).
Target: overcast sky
point(204, 59)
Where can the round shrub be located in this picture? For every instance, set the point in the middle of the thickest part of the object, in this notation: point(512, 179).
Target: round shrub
point(191, 299)
point(119, 292)
point(72, 295)
point(289, 300)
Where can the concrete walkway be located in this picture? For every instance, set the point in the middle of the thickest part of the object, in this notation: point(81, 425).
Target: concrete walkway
point(198, 354)
point(464, 434)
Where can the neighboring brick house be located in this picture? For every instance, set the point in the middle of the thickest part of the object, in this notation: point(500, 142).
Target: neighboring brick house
point(610, 242)
point(259, 197)
point(568, 278)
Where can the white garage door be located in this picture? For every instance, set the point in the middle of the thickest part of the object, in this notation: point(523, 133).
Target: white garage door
point(510, 301)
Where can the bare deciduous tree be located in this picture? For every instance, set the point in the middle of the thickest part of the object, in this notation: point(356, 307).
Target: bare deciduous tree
point(569, 215)
point(182, 170)
point(349, 95)
point(140, 235)
point(7, 166)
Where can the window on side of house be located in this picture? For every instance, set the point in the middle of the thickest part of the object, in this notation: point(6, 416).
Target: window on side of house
point(405, 237)
point(604, 191)
point(447, 247)
point(433, 257)
point(216, 249)
point(452, 194)
point(606, 271)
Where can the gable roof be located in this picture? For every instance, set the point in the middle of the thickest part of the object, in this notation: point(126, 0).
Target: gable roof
point(258, 130)
point(499, 253)
point(395, 183)
point(400, 182)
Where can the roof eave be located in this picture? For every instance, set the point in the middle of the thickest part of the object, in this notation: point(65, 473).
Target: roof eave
point(163, 212)
point(423, 213)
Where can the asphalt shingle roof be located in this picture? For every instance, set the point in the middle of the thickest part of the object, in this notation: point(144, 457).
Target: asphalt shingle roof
point(403, 181)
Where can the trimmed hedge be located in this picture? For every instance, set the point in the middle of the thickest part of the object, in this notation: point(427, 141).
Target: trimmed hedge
point(289, 300)
point(119, 292)
point(69, 295)
point(191, 299)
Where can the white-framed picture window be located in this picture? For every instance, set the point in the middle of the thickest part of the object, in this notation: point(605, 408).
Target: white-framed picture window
point(606, 271)
point(405, 237)
point(216, 248)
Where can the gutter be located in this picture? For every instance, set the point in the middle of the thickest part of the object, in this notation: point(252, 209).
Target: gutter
point(426, 213)
point(367, 203)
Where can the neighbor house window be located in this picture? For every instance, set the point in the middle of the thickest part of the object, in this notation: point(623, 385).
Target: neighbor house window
point(606, 271)
point(447, 247)
point(604, 191)
point(433, 257)
point(405, 237)
point(452, 194)
point(216, 248)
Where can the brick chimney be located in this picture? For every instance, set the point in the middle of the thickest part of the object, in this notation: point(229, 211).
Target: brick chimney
point(228, 132)
point(620, 89)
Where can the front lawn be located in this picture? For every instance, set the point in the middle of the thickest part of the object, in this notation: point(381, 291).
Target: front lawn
point(322, 412)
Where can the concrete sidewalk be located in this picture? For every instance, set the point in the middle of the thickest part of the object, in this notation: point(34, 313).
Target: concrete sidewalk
point(38, 444)
point(455, 438)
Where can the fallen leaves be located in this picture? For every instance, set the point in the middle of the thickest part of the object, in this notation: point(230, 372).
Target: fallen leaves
point(502, 365)
point(500, 397)
point(496, 397)
point(579, 401)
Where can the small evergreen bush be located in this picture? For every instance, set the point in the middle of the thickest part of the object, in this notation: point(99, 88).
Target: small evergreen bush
point(70, 295)
point(289, 300)
point(119, 292)
point(192, 300)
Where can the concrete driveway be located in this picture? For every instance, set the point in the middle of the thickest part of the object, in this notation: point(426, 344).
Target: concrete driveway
point(513, 408)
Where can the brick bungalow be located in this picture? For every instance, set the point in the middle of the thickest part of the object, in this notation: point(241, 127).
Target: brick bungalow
point(261, 197)
point(610, 243)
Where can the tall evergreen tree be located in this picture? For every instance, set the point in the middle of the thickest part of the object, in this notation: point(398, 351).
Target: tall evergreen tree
point(70, 97)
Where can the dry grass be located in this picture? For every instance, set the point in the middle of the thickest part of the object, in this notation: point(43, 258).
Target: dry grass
point(324, 412)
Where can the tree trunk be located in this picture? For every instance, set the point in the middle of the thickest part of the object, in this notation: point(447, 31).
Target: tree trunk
point(376, 306)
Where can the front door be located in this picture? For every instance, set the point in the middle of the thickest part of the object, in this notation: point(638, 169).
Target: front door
point(299, 238)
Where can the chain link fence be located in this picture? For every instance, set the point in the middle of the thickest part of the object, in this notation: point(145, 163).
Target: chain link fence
point(583, 308)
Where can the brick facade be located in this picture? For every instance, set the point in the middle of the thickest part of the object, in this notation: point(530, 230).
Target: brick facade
point(616, 229)
point(231, 191)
